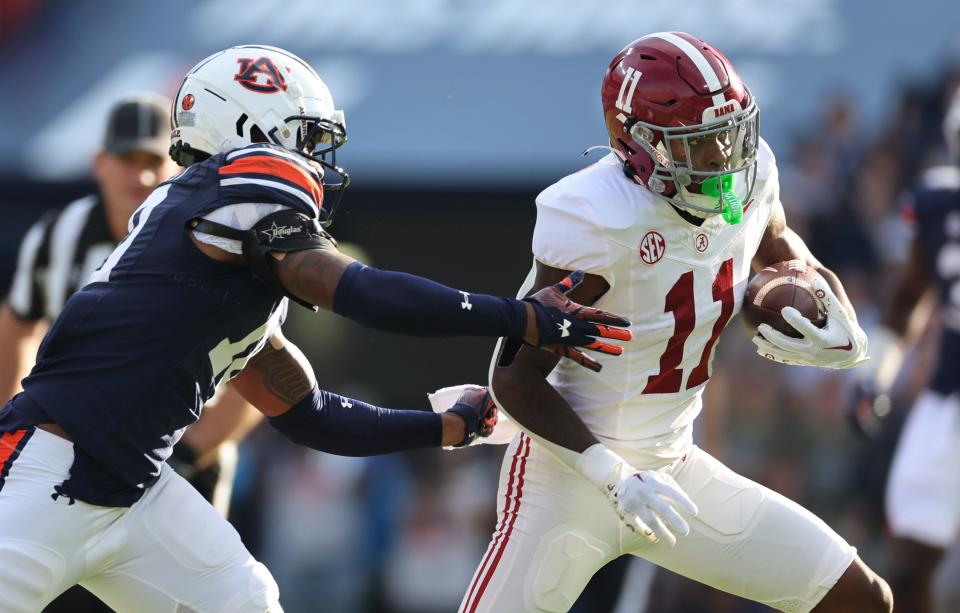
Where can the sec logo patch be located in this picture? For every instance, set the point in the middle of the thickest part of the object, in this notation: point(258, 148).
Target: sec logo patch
point(652, 247)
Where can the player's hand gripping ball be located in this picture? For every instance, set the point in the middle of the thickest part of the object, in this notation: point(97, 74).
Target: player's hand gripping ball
point(781, 285)
point(796, 318)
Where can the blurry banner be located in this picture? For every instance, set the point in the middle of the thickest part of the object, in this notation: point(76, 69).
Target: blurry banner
point(457, 92)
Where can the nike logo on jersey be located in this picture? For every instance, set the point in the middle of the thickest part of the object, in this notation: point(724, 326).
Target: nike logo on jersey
point(565, 328)
point(345, 403)
point(846, 347)
point(465, 305)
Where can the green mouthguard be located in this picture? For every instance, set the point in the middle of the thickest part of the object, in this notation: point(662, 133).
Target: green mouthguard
point(722, 187)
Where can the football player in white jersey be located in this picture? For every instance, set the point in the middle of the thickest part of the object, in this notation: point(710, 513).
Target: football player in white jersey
point(668, 226)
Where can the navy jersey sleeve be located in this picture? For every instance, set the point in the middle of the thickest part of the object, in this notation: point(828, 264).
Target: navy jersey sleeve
point(269, 174)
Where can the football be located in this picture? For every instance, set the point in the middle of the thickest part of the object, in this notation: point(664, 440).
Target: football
point(780, 285)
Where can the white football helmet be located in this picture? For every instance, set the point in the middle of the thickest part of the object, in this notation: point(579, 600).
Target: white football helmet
point(256, 93)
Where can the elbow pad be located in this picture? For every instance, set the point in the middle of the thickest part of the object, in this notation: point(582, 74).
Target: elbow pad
point(285, 231)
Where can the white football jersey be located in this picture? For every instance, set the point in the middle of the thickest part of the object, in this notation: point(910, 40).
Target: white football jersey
point(679, 285)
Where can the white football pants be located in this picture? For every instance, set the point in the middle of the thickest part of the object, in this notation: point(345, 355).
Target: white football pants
point(171, 552)
point(923, 489)
point(555, 530)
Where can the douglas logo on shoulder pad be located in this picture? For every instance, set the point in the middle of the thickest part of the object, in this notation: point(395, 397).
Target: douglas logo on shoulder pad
point(274, 232)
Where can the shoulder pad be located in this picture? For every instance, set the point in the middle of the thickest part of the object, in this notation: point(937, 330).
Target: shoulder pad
point(285, 231)
point(267, 173)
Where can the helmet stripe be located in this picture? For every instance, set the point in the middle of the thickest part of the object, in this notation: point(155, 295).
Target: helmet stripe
point(698, 59)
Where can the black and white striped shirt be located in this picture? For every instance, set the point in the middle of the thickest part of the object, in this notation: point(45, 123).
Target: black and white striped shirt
point(57, 256)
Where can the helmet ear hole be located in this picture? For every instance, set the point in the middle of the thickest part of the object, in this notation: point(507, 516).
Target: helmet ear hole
point(257, 135)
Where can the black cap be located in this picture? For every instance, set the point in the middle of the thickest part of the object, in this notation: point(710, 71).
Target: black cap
point(139, 123)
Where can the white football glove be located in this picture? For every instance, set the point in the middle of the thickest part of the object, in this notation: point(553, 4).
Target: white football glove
point(644, 499)
point(841, 343)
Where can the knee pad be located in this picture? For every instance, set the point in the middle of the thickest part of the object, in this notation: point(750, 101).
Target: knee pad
point(563, 564)
point(262, 594)
point(29, 576)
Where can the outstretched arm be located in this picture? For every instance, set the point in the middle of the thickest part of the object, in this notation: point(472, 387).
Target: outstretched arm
point(305, 263)
point(407, 304)
point(280, 383)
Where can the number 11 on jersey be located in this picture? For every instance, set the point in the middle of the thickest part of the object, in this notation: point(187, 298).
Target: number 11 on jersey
point(680, 302)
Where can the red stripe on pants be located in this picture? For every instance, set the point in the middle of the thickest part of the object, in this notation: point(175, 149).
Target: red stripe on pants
point(503, 520)
point(513, 520)
point(8, 445)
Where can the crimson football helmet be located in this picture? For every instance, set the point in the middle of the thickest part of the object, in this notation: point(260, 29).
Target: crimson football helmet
point(664, 97)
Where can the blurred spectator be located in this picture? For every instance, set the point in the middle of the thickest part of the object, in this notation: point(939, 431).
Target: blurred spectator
point(15, 15)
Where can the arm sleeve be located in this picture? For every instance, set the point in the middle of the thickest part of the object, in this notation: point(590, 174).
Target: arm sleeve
point(407, 304)
point(27, 298)
point(332, 423)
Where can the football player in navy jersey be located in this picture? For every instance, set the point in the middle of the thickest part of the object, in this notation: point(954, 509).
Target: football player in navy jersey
point(923, 487)
point(194, 297)
point(57, 256)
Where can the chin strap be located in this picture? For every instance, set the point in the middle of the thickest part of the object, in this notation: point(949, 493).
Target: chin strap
point(589, 150)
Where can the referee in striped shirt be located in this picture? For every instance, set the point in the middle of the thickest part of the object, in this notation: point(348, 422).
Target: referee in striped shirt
point(57, 256)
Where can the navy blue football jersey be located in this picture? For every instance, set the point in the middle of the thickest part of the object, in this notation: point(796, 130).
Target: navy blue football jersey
point(936, 208)
point(136, 353)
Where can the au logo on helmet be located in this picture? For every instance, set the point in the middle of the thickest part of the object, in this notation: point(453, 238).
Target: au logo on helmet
point(260, 75)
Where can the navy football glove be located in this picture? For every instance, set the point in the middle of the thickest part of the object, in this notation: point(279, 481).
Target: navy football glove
point(478, 411)
point(565, 325)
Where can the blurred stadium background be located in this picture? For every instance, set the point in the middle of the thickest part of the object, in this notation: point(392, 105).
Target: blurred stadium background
point(459, 112)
